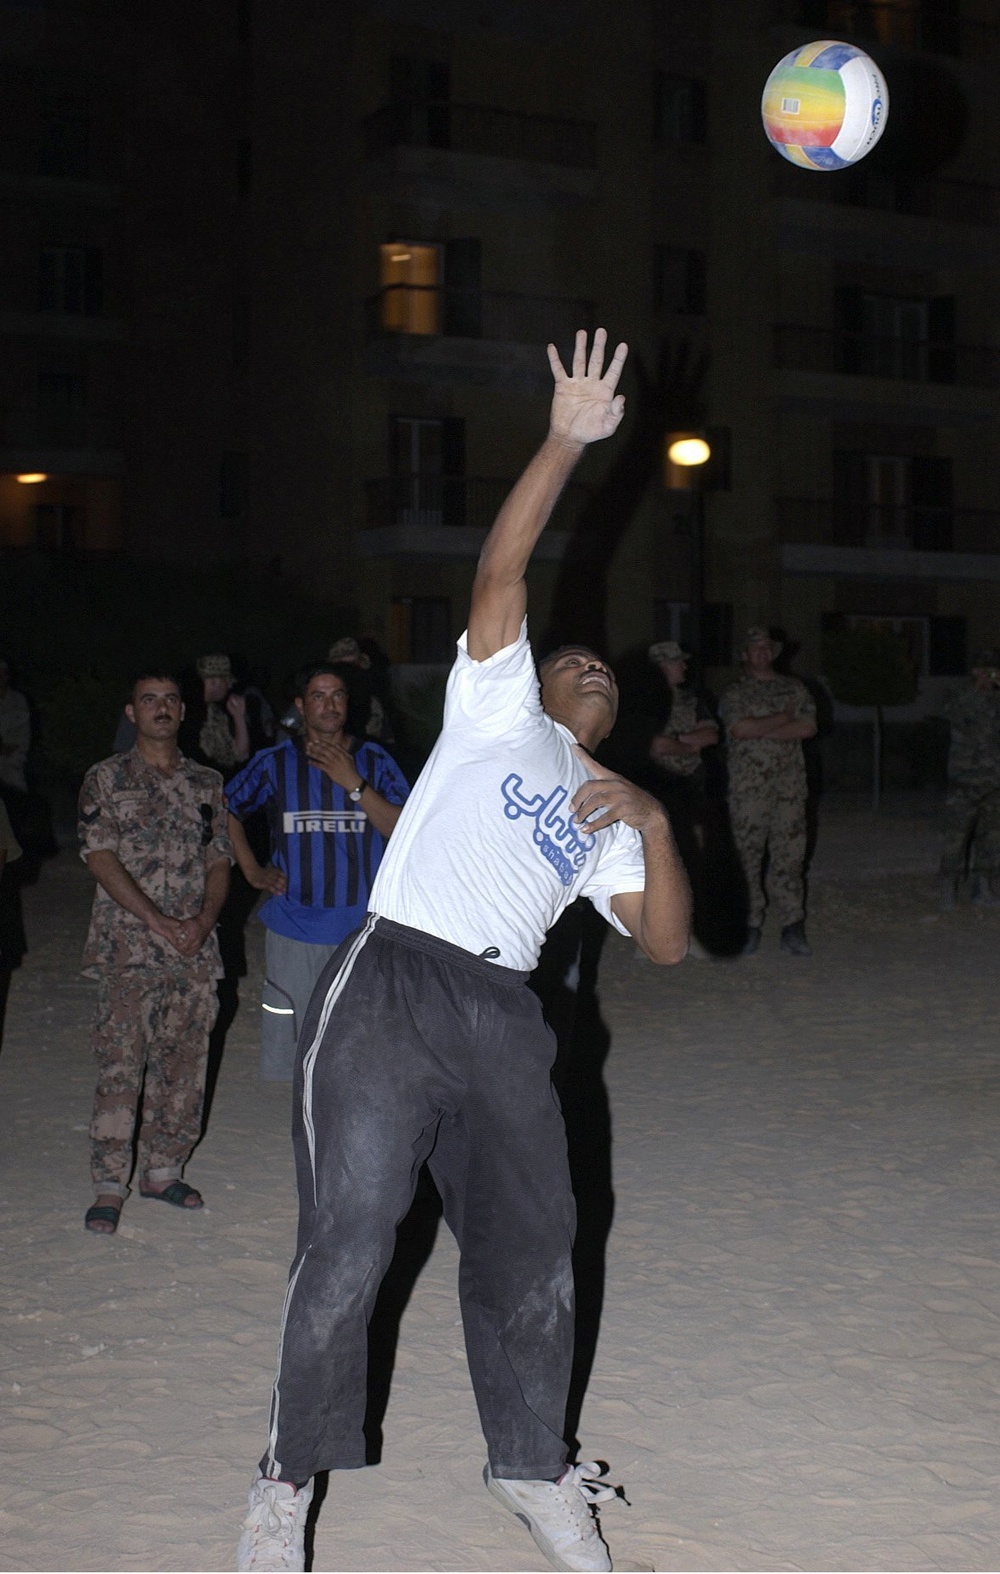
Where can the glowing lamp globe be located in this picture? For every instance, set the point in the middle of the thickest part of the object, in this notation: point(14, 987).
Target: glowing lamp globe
point(825, 105)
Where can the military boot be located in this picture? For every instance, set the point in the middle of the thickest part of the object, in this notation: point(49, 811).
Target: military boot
point(752, 942)
point(984, 890)
point(947, 893)
point(793, 940)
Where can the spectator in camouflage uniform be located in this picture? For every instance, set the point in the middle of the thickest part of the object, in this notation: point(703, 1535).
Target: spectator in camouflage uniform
point(972, 805)
point(767, 715)
point(677, 749)
point(153, 833)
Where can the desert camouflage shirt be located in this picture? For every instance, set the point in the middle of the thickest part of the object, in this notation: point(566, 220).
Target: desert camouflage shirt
point(687, 711)
point(765, 765)
point(974, 753)
point(166, 832)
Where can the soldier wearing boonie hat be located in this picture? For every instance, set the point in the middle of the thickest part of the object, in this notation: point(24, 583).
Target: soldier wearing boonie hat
point(678, 750)
point(767, 715)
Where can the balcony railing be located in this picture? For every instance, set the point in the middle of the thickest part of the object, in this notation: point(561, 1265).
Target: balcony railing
point(419, 309)
point(433, 501)
point(479, 128)
point(841, 350)
point(948, 201)
point(804, 521)
point(931, 25)
point(39, 428)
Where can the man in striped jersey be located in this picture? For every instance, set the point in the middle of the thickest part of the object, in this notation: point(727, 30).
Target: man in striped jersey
point(423, 1042)
point(331, 803)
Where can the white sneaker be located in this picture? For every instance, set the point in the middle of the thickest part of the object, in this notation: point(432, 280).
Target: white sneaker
point(275, 1527)
point(560, 1514)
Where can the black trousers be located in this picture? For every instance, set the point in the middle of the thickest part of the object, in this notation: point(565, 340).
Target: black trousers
point(415, 1050)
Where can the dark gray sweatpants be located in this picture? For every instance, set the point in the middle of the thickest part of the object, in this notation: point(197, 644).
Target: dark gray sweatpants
point(415, 1050)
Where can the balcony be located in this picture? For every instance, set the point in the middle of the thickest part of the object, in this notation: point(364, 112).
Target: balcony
point(472, 155)
point(943, 201)
point(447, 517)
point(483, 131)
point(931, 25)
point(847, 376)
point(855, 354)
point(483, 337)
point(849, 540)
point(64, 441)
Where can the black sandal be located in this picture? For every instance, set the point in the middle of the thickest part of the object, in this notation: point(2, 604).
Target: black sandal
point(101, 1214)
point(177, 1194)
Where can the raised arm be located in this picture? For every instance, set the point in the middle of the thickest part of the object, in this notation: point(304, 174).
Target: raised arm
point(585, 409)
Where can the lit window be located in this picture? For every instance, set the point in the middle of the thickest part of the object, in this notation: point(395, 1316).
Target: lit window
point(410, 276)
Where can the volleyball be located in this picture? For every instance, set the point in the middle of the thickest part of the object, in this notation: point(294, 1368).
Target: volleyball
point(825, 105)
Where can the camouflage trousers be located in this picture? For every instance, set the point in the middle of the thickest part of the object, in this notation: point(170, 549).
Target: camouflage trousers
point(150, 1040)
point(971, 829)
point(775, 825)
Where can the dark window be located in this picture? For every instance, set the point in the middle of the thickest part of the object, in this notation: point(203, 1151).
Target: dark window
point(419, 92)
point(896, 336)
point(64, 145)
point(679, 280)
point(680, 108)
point(70, 280)
point(717, 634)
point(893, 500)
point(62, 408)
point(244, 167)
point(463, 298)
point(234, 485)
point(946, 647)
point(427, 465)
point(59, 527)
point(717, 473)
point(421, 628)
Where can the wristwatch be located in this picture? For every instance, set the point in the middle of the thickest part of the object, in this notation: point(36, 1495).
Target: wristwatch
point(355, 792)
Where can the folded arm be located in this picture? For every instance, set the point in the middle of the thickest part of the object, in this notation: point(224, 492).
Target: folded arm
point(585, 409)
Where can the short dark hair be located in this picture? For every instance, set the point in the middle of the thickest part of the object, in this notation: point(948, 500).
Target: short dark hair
point(337, 669)
point(152, 675)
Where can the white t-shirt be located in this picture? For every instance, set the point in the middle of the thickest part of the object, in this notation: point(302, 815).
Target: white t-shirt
point(484, 853)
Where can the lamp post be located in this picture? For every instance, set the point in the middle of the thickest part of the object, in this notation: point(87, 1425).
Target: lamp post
point(686, 453)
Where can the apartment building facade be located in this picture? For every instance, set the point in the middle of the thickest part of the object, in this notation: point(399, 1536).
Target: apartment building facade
point(279, 282)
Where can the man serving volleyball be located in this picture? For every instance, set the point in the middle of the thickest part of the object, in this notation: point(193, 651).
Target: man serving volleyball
point(423, 1042)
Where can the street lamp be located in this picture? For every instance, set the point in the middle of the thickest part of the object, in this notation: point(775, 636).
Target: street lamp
point(687, 452)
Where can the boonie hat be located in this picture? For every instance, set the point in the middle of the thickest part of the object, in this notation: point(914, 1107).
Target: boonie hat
point(667, 650)
point(216, 665)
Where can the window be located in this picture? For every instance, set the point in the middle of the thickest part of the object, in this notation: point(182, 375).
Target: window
point(679, 108)
point(59, 527)
point(717, 634)
point(427, 465)
point(672, 620)
point(893, 500)
point(62, 408)
point(410, 276)
point(679, 280)
point(64, 144)
point(946, 647)
point(234, 485)
point(914, 631)
point(70, 280)
point(244, 168)
point(419, 92)
point(897, 336)
point(420, 630)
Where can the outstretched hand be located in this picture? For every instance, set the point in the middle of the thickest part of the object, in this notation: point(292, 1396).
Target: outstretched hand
point(585, 407)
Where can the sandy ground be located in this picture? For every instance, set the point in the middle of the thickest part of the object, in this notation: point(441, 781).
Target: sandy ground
point(798, 1359)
